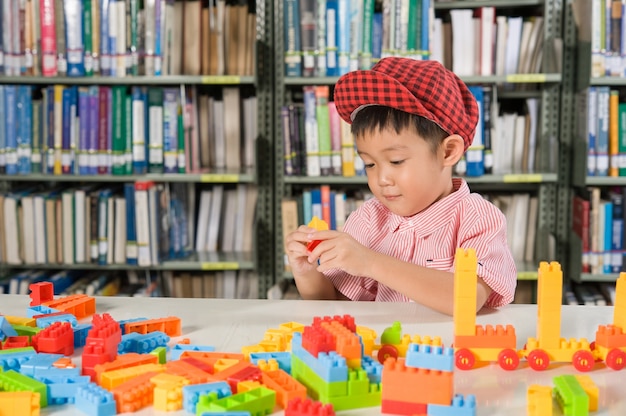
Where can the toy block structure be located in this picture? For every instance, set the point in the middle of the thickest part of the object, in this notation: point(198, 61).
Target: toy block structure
point(237, 373)
point(539, 400)
point(101, 343)
point(591, 390)
point(11, 359)
point(168, 391)
point(94, 400)
point(41, 292)
point(610, 343)
point(570, 396)
point(111, 379)
point(123, 361)
point(62, 389)
point(19, 403)
point(170, 326)
point(38, 364)
point(474, 342)
point(258, 402)
point(308, 407)
point(548, 346)
point(79, 305)
point(57, 338)
point(142, 343)
point(286, 387)
point(20, 341)
point(192, 393)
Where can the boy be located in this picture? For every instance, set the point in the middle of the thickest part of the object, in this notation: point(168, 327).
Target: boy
point(412, 121)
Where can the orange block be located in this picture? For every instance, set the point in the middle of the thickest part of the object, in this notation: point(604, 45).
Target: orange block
point(610, 336)
point(416, 385)
point(134, 394)
point(347, 342)
point(19, 403)
point(170, 326)
point(78, 305)
point(124, 361)
point(193, 374)
point(285, 386)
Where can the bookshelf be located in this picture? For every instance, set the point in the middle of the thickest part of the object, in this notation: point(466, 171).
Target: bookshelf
point(543, 85)
point(197, 177)
point(595, 170)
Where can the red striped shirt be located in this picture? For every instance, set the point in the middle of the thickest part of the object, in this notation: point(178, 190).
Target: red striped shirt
point(430, 239)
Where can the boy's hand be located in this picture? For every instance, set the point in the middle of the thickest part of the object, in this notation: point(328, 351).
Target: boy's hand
point(338, 250)
point(297, 252)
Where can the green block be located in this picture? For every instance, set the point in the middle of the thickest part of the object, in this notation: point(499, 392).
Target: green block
point(17, 350)
point(361, 393)
point(26, 330)
point(570, 396)
point(315, 385)
point(258, 402)
point(14, 381)
point(161, 353)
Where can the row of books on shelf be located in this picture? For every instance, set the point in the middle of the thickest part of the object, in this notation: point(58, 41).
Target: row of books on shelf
point(479, 42)
point(317, 142)
point(127, 37)
point(231, 284)
point(335, 205)
point(71, 130)
point(141, 223)
point(598, 218)
point(603, 125)
point(588, 293)
point(602, 23)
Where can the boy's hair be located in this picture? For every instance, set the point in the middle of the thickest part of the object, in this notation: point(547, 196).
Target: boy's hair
point(378, 117)
point(421, 88)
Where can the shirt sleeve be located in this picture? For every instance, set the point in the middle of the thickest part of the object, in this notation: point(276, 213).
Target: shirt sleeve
point(355, 287)
point(484, 229)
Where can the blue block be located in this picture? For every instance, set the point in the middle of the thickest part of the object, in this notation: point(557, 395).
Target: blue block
point(39, 361)
point(429, 357)
point(54, 373)
point(40, 310)
point(192, 393)
point(178, 349)
point(329, 366)
point(46, 321)
point(460, 407)
point(94, 400)
point(63, 390)
point(142, 343)
point(80, 334)
point(6, 329)
point(283, 359)
point(372, 368)
point(13, 360)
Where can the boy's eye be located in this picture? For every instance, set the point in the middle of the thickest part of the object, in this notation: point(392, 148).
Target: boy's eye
point(368, 165)
point(397, 162)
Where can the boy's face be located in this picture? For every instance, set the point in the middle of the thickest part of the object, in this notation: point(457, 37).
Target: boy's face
point(402, 170)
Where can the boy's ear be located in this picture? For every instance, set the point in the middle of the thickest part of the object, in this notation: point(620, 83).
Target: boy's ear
point(453, 148)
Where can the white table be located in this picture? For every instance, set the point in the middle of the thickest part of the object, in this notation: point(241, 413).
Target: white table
point(230, 324)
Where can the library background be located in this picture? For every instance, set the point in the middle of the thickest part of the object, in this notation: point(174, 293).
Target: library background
point(165, 148)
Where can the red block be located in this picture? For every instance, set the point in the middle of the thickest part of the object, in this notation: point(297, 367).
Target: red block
point(57, 338)
point(41, 292)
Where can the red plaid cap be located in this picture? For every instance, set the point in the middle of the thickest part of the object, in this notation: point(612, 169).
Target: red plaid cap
point(424, 88)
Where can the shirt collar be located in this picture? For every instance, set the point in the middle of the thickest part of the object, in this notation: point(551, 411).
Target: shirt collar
point(435, 216)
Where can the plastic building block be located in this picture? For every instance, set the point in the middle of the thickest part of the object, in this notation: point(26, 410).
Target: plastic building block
point(430, 357)
point(78, 305)
point(64, 362)
point(41, 292)
point(368, 339)
point(20, 320)
point(57, 338)
point(62, 389)
point(286, 387)
point(6, 330)
point(239, 372)
point(134, 394)
point(12, 359)
point(111, 379)
point(347, 343)
point(591, 389)
point(94, 400)
point(236, 413)
point(13, 381)
point(271, 365)
point(570, 396)
point(461, 406)
point(44, 321)
point(316, 340)
point(37, 363)
point(40, 310)
point(619, 308)
point(161, 354)
point(192, 393)
point(101, 343)
point(142, 343)
point(168, 391)
point(330, 367)
point(416, 385)
point(539, 400)
point(123, 323)
point(403, 408)
point(307, 407)
point(319, 225)
point(258, 401)
point(19, 403)
point(200, 365)
point(360, 393)
point(372, 368)
point(283, 358)
point(81, 331)
point(465, 263)
point(169, 325)
point(19, 341)
point(178, 349)
point(123, 361)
